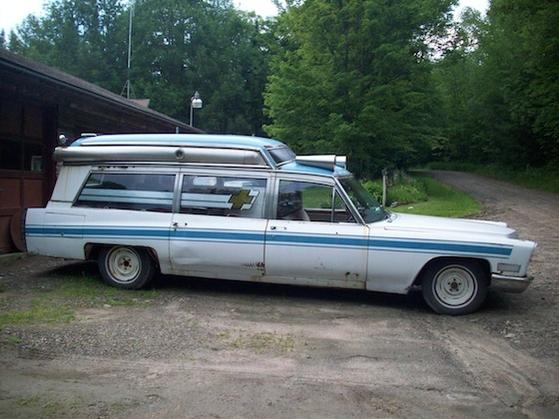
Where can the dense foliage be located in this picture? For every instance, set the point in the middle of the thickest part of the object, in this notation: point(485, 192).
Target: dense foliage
point(389, 83)
point(500, 88)
point(355, 78)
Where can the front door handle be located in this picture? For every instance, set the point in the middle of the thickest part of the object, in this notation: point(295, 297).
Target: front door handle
point(273, 228)
point(175, 225)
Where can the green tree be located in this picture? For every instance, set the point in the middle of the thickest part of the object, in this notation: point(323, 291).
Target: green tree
point(521, 66)
point(457, 78)
point(500, 87)
point(355, 77)
point(183, 46)
point(83, 37)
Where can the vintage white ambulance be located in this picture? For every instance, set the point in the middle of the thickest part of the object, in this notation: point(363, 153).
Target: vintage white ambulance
point(247, 208)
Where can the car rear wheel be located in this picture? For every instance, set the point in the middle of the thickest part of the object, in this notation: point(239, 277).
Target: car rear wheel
point(455, 286)
point(126, 267)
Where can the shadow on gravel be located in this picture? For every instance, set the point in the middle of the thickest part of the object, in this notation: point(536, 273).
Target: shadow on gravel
point(170, 285)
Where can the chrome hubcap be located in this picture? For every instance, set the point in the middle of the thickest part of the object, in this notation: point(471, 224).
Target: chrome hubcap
point(123, 264)
point(454, 286)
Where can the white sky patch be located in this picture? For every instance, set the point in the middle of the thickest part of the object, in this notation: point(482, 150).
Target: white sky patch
point(12, 12)
point(481, 5)
point(263, 8)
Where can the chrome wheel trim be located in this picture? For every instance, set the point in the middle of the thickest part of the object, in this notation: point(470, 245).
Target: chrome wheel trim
point(123, 264)
point(454, 286)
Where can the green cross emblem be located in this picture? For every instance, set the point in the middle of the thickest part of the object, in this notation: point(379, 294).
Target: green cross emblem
point(240, 198)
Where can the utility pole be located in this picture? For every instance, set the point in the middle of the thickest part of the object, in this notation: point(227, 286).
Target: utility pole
point(129, 51)
point(127, 85)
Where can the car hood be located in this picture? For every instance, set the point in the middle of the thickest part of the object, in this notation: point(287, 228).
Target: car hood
point(422, 223)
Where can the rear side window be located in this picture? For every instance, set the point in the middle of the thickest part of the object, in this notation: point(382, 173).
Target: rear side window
point(143, 192)
point(223, 196)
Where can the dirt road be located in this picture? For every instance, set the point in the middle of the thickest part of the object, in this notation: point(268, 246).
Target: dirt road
point(201, 348)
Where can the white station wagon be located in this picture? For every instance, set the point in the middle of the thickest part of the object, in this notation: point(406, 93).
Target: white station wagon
point(247, 208)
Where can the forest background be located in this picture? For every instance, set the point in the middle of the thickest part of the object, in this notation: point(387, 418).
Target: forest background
point(389, 83)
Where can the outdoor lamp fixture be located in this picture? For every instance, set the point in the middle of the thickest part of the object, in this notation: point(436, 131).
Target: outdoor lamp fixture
point(195, 103)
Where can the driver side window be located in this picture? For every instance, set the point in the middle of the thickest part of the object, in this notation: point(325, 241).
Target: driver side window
point(307, 201)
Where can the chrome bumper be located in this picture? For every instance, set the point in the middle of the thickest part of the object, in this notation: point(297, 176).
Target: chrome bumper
point(514, 284)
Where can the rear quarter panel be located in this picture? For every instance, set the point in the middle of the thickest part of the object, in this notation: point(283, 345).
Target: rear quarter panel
point(56, 233)
point(65, 232)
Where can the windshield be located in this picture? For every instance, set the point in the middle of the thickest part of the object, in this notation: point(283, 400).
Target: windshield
point(365, 203)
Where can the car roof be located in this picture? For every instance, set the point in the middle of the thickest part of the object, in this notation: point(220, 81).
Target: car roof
point(313, 170)
point(240, 141)
point(206, 140)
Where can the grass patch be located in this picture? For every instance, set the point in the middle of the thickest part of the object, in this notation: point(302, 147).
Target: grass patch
point(70, 292)
point(543, 178)
point(265, 341)
point(90, 291)
point(45, 407)
point(13, 340)
point(41, 311)
point(442, 200)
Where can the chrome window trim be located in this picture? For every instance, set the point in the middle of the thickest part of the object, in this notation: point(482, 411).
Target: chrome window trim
point(175, 209)
point(80, 189)
point(268, 158)
point(283, 163)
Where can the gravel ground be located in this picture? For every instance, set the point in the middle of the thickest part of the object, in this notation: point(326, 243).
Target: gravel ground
point(208, 348)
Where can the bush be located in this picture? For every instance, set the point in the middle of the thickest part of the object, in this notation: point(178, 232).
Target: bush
point(402, 189)
point(374, 187)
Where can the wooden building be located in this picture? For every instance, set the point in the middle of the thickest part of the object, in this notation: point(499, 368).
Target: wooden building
point(37, 104)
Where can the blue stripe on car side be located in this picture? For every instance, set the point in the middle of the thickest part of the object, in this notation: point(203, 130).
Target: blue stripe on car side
point(273, 239)
point(218, 235)
point(343, 241)
point(453, 247)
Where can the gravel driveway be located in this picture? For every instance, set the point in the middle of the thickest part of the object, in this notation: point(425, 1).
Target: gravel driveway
point(207, 348)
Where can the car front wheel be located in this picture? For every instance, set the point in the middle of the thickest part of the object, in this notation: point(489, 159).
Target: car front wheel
point(455, 286)
point(125, 267)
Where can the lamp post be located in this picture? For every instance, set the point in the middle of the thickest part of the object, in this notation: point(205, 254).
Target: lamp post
point(195, 103)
